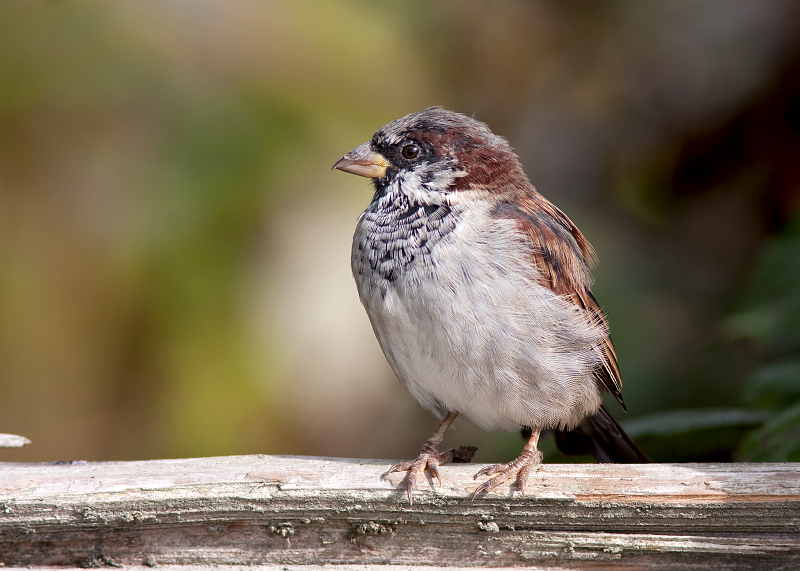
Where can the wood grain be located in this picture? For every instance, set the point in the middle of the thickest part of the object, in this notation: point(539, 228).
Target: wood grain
point(278, 511)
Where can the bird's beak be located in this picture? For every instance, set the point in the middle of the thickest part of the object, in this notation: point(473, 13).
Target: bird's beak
point(364, 162)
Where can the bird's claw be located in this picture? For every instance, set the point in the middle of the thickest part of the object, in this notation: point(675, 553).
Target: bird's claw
point(521, 467)
point(489, 470)
point(429, 459)
point(399, 467)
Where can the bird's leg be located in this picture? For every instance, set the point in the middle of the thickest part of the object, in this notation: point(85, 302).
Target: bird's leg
point(522, 467)
point(429, 457)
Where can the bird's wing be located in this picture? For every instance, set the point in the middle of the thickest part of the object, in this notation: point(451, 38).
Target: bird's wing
point(563, 256)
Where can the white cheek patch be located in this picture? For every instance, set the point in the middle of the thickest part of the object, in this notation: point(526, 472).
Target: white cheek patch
point(427, 183)
point(410, 184)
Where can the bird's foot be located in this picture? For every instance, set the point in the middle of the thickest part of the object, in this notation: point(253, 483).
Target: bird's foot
point(430, 459)
point(521, 467)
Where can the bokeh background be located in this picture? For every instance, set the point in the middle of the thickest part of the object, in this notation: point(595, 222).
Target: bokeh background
point(174, 249)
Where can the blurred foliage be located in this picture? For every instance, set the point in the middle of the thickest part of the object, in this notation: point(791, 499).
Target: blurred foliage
point(169, 232)
point(694, 435)
point(174, 274)
point(768, 317)
point(143, 149)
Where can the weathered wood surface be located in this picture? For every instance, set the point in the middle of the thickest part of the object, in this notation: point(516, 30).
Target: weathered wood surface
point(279, 511)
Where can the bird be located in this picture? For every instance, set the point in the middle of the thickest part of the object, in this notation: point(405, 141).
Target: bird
point(478, 290)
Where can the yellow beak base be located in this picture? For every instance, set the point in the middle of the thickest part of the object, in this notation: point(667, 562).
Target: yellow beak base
point(363, 161)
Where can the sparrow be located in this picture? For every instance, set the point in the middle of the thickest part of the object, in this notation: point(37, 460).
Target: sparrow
point(478, 290)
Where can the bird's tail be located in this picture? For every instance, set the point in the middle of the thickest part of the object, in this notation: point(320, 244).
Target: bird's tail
point(602, 437)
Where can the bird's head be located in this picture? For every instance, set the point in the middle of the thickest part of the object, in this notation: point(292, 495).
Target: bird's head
point(435, 152)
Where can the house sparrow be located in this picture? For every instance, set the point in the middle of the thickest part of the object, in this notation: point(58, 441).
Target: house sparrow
point(478, 290)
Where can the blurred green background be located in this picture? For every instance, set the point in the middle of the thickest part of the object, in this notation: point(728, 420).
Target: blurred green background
point(174, 249)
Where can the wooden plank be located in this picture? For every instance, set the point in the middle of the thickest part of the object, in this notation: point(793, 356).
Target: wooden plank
point(269, 510)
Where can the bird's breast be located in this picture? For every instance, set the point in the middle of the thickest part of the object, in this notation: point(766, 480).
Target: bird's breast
point(464, 323)
point(388, 241)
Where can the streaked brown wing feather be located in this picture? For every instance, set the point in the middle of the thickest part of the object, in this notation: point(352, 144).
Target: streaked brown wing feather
point(563, 256)
point(609, 374)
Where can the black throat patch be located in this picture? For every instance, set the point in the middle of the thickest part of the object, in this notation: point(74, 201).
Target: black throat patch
point(400, 233)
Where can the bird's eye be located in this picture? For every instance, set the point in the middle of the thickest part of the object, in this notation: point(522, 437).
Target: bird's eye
point(410, 151)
